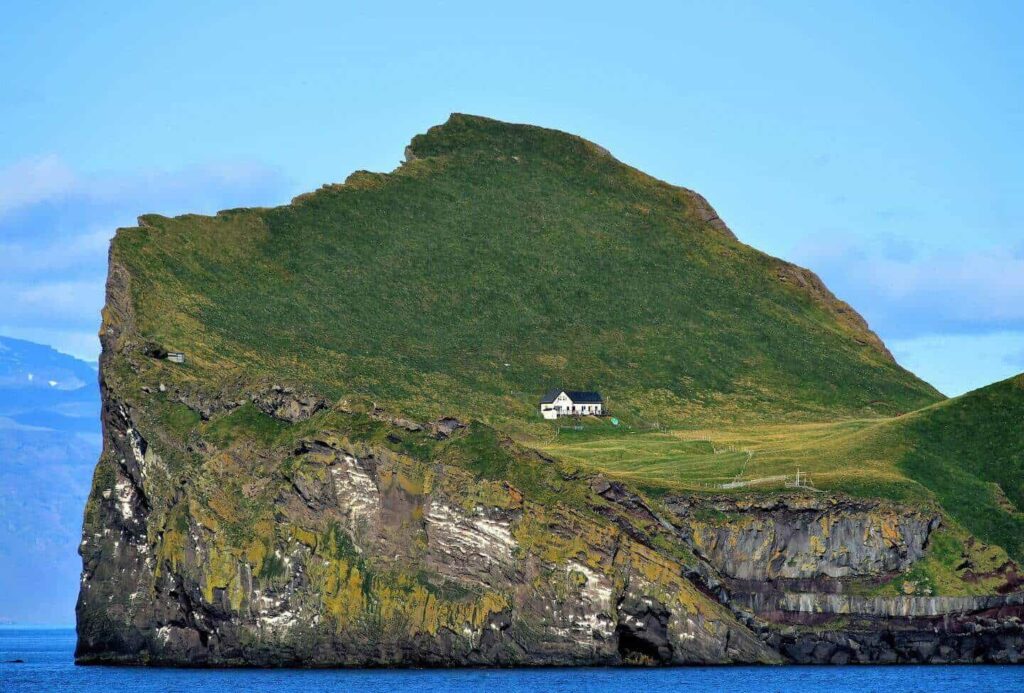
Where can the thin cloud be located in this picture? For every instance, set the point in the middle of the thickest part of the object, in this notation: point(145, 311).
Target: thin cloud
point(64, 300)
point(56, 225)
point(34, 180)
point(940, 359)
point(60, 254)
point(912, 292)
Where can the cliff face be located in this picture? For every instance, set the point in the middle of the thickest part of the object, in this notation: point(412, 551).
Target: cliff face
point(807, 537)
point(795, 568)
point(359, 555)
point(373, 541)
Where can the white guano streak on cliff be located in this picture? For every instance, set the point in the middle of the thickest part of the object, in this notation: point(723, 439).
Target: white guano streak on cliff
point(271, 616)
point(596, 599)
point(457, 534)
point(357, 493)
point(901, 606)
point(280, 623)
point(134, 441)
point(125, 496)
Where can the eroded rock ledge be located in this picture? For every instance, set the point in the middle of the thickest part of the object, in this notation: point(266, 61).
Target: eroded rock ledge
point(787, 566)
point(805, 536)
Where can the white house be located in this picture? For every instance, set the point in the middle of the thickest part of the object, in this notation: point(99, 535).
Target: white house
point(559, 402)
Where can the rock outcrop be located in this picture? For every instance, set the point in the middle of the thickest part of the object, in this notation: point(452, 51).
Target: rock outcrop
point(805, 536)
point(789, 567)
point(348, 549)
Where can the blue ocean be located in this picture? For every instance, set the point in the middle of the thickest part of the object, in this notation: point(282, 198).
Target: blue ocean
point(46, 664)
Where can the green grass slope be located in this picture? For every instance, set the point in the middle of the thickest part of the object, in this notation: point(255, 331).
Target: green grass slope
point(498, 261)
point(969, 451)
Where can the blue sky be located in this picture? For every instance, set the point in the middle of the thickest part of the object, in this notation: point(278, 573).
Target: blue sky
point(879, 143)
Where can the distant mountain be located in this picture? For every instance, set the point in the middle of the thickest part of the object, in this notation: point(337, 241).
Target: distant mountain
point(40, 386)
point(49, 441)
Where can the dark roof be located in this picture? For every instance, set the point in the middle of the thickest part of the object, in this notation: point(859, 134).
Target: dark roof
point(577, 396)
point(584, 396)
point(551, 395)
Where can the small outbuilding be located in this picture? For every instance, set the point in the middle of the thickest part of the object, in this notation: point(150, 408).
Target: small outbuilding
point(558, 402)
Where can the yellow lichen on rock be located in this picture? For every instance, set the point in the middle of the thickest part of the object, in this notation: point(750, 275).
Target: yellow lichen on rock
point(342, 590)
point(220, 571)
point(891, 530)
point(170, 549)
point(304, 536)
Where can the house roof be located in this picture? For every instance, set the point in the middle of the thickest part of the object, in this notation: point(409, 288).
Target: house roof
point(550, 396)
point(577, 396)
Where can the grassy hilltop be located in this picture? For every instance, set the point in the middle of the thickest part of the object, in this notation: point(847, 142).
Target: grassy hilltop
point(498, 261)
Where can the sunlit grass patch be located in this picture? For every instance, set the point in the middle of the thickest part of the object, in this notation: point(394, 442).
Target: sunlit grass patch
point(858, 456)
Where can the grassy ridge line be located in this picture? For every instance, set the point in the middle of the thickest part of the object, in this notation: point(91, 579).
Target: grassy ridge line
point(500, 260)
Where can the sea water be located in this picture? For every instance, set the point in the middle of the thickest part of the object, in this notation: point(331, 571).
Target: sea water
point(47, 665)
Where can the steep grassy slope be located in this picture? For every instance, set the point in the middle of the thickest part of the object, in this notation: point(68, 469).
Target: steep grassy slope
point(969, 452)
point(499, 260)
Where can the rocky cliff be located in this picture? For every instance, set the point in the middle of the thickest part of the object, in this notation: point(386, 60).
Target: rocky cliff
point(354, 539)
point(338, 550)
point(794, 537)
point(262, 526)
point(796, 568)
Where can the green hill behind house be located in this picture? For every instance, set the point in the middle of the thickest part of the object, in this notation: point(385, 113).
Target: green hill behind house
point(499, 260)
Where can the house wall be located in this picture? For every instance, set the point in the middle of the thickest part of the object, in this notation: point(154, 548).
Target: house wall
point(563, 406)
